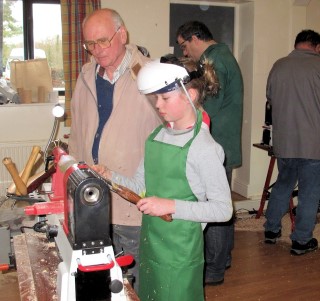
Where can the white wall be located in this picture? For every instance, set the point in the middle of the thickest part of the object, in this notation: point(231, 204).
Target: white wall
point(147, 22)
point(273, 24)
point(276, 24)
point(22, 127)
point(28, 122)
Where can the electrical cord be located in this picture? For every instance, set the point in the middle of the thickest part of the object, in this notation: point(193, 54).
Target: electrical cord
point(240, 211)
point(243, 210)
point(40, 227)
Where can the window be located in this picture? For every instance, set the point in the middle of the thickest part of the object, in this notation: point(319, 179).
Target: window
point(32, 29)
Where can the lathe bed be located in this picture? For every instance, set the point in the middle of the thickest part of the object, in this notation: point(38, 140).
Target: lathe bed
point(37, 264)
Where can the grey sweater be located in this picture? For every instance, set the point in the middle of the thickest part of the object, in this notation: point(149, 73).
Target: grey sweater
point(293, 89)
point(205, 173)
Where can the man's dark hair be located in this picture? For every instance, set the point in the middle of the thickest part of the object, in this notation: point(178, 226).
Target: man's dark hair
point(308, 35)
point(194, 28)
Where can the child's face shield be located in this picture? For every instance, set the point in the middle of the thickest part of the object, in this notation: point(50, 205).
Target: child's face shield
point(157, 77)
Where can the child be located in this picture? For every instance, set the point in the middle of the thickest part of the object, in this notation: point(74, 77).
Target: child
point(182, 174)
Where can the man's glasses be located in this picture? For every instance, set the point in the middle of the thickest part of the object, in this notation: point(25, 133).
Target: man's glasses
point(102, 42)
point(183, 47)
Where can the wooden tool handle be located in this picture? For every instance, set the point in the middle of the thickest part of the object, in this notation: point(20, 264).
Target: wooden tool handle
point(27, 170)
point(11, 167)
point(35, 181)
point(12, 187)
point(132, 197)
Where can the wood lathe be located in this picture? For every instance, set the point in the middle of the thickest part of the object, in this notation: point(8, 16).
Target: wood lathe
point(75, 239)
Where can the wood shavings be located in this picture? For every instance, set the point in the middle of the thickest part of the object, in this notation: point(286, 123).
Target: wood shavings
point(40, 259)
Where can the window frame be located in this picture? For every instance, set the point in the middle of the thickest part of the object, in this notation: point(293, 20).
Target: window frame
point(28, 38)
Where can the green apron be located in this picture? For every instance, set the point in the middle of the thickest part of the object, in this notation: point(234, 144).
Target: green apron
point(171, 253)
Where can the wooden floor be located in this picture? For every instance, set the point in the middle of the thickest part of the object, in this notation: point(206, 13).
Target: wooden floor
point(268, 273)
point(259, 272)
point(9, 288)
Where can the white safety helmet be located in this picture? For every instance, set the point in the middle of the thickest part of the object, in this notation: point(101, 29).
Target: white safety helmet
point(156, 77)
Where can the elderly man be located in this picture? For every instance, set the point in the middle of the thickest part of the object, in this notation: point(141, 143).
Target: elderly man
point(110, 118)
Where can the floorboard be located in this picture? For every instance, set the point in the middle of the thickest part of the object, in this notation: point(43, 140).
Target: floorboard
point(267, 272)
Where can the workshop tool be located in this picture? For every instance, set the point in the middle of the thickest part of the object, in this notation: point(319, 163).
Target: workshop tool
point(19, 185)
point(267, 127)
point(12, 187)
point(6, 257)
point(81, 232)
point(131, 196)
point(38, 179)
point(30, 163)
point(28, 184)
point(11, 167)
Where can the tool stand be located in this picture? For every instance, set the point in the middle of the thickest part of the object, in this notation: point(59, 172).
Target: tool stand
point(267, 186)
point(75, 261)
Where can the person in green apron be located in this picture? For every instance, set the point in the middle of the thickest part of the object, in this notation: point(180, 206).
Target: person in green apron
point(182, 174)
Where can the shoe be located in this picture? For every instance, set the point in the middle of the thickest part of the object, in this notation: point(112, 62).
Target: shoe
point(299, 249)
point(211, 282)
point(228, 266)
point(271, 237)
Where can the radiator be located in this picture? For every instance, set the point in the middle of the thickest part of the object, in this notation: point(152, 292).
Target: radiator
point(19, 153)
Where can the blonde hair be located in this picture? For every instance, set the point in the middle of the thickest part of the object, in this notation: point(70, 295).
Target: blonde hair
point(203, 78)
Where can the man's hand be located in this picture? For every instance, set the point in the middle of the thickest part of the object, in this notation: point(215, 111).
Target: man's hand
point(102, 170)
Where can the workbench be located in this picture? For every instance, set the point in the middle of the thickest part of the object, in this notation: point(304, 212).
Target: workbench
point(37, 262)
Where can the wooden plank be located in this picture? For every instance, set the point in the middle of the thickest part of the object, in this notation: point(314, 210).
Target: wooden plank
point(25, 276)
point(129, 291)
point(37, 265)
point(44, 263)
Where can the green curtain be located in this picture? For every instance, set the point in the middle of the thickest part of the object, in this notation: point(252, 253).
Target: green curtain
point(74, 55)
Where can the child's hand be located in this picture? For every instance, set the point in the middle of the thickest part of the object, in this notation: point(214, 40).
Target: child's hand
point(156, 206)
point(102, 170)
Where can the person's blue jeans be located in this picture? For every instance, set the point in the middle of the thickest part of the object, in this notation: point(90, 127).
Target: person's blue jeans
point(219, 242)
point(306, 173)
point(127, 239)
